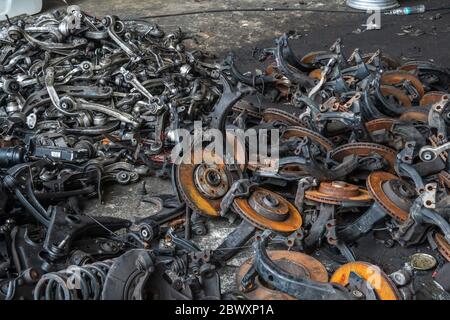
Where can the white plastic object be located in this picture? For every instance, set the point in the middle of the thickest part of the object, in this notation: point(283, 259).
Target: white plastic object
point(14, 8)
point(373, 4)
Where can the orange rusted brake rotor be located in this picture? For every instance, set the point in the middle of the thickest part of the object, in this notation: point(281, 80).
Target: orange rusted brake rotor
point(282, 83)
point(336, 192)
point(419, 114)
point(373, 275)
point(365, 149)
point(296, 263)
point(316, 74)
point(398, 77)
point(203, 185)
point(379, 124)
point(311, 56)
point(397, 93)
point(391, 193)
point(442, 245)
point(432, 97)
point(267, 210)
point(274, 114)
point(243, 105)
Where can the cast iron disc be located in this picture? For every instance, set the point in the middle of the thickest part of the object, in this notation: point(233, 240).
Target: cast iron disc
point(280, 115)
point(302, 132)
point(384, 288)
point(196, 198)
point(375, 182)
point(364, 149)
point(442, 245)
point(265, 209)
point(336, 192)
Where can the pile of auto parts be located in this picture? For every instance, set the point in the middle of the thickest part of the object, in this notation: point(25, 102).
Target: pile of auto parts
point(362, 164)
point(362, 158)
point(87, 101)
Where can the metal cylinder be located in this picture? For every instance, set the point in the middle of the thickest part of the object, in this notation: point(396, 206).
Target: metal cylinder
point(373, 4)
point(11, 156)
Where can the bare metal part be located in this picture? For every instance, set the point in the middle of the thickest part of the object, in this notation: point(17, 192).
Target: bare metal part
point(429, 153)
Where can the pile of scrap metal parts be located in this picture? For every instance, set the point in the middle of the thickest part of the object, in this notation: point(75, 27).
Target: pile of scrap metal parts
point(362, 176)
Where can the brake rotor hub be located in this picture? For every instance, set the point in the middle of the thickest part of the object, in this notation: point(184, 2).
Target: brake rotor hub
point(211, 181)
point(269, 205)
point(203, 185)
point(267, 210)
point(399, 192)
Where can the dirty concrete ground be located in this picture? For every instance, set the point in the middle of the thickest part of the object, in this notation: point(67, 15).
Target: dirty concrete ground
point(417, 37)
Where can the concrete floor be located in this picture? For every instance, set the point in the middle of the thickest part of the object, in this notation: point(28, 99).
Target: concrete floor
point(241, 32)
point(428, 38)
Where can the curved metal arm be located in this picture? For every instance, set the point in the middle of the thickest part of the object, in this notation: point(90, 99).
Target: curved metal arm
point(122, 116)
point(411, 172)
point(301, 288)
point(251, 81)
point(293, 76)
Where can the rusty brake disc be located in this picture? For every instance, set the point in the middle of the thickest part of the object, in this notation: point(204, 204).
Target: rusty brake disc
point(336, 192)
point(302, 132)
point(379, 124)
point(391, 193)
point(397, 93)
point(364, 149)
point(203, 185)
point(419, 114)
point(251, 110)
point(398, 77)
point(311, 56)
point(432, 97)
point(275, 114)
point(296, 263)
point(372, 275)
point(265, 209)
point(442, 245)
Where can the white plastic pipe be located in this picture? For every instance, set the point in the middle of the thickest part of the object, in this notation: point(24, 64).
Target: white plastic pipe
point(14, 8)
